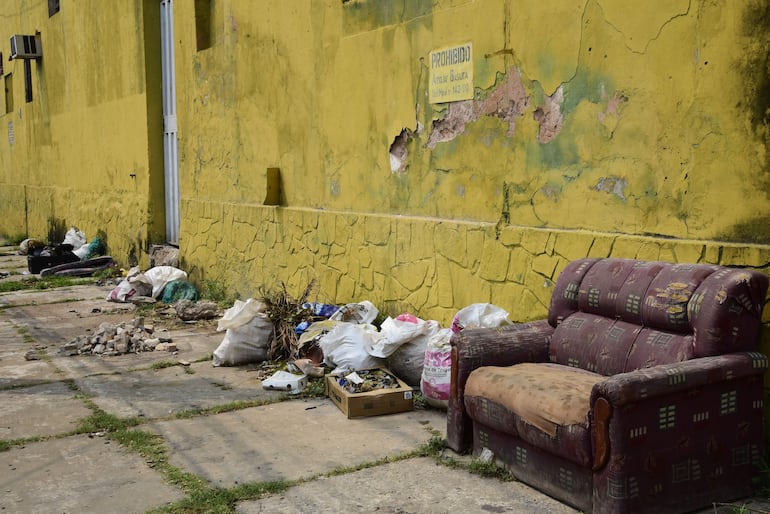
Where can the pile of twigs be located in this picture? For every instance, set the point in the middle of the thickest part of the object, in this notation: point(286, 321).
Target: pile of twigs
point(286, 312)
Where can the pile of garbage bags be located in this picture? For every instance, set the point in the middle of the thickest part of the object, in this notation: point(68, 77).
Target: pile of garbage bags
point(74, 256)
point(345, 340)
point(160, 283)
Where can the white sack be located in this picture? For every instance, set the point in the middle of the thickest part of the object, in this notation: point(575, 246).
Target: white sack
point(246, 344)
point(159, 276)
point(344, 347)
point(129, 287)
point(240, 313)
point(408, 359)
point(395, 332)
point(480, 315)
point(363, 312)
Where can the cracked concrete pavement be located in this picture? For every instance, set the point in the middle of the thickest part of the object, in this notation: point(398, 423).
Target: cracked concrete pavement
point(48, 465)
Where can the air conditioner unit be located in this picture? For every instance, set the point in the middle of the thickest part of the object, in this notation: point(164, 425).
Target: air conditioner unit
point(26, 47)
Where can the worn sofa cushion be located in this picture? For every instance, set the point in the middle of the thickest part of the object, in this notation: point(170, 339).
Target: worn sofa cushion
point(665, 304)
point(564, 300)
point(593, 343)
point(544, 404)
point(725, 311)
point(601, 285)
point(544, 395)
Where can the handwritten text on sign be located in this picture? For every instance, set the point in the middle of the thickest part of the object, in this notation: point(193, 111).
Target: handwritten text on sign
point(451, 74)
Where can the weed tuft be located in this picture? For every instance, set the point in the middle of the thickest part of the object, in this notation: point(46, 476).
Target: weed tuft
point(164, 364)
point(13, 239)
point(216, 292)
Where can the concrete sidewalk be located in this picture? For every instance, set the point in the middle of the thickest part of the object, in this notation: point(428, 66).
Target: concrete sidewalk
point(49, 467)
point(303, 449)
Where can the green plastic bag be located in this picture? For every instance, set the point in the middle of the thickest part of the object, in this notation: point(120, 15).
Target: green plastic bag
point(179, 290)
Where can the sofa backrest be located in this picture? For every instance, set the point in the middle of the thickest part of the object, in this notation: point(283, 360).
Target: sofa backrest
point(615, 315)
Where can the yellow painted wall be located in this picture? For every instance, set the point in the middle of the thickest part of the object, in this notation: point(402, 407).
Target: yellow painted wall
point(601, 127)
point(87, 150)
point(597, 127)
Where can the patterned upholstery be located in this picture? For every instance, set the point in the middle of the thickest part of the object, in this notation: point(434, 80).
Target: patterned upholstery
point(647, 395)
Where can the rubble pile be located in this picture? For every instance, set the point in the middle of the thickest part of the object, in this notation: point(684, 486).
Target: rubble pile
point(127, 337)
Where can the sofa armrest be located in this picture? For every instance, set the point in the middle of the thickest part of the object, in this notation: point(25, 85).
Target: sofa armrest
point(473, 348)
point(650, 389)
point(666, 379)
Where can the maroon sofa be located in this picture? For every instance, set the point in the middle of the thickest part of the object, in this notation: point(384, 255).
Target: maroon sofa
point(641, 392)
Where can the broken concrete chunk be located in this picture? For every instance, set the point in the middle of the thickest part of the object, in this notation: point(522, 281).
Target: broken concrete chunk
point(188, 310)
point(126, 337)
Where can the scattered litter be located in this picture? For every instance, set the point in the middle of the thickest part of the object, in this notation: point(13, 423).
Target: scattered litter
point(363, 381)
point(363, 313)
point(486, 456)
point(285, 381)
point(318, 311)
point(308, 367)
point(380, 393)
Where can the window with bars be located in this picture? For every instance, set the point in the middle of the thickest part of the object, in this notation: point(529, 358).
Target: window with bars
point(27, 80)
point(9, 93)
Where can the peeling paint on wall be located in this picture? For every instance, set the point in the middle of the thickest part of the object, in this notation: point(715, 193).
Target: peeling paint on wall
point(507, 101)
point(549, 116)
point(613, 185)
point(610, 117)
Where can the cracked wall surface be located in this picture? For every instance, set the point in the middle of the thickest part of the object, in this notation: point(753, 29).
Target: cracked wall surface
point(597, 127)
point(415, 264)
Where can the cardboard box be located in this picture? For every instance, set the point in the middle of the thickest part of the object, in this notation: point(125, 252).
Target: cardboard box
point(370, 403)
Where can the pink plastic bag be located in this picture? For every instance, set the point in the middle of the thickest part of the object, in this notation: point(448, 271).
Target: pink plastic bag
point(436, 370)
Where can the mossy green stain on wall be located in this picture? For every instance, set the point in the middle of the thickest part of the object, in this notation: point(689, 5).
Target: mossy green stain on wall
point(555, 154)
point(364, 15)
point(756, 27)
point(586, 85)
point(753, 66)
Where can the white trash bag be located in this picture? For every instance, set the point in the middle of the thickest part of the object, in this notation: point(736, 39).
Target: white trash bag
point(363, 312)
point(129, 287)
point(247, 336)
point(480, 315)
point(159, 277)
point(408, 359)
point(77, 239)
point(344, 347)
point(395, 332)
